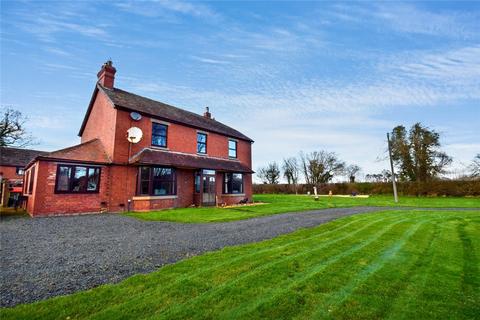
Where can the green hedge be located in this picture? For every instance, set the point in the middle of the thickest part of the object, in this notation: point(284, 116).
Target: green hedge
point(432, 188)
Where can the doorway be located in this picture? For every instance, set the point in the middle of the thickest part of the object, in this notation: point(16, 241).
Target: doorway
point(209, 188)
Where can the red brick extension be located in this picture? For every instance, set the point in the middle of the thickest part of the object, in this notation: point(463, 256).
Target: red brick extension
point(104, 143)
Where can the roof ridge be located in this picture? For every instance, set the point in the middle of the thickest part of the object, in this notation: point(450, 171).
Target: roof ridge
point(23, 149)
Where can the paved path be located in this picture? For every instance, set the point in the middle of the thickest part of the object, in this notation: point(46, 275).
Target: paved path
point(46, 257)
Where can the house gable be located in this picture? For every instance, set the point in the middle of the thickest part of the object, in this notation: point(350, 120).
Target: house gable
point(100, 122)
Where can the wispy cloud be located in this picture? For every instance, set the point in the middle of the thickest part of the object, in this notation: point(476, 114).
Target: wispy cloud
point(167, 9)
point(460, 64)
point(398, 83)
point(209, 60)
point(46, 27)
point(57, 51)
point(409, 18)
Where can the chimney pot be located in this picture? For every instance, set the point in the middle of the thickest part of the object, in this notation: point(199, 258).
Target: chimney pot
point(207, 113)
point(106, 75)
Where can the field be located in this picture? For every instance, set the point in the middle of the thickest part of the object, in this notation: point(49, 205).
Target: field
point(390, 265)
point(290, 203)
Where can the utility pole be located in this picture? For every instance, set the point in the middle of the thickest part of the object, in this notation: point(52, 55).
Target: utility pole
point(395, 196)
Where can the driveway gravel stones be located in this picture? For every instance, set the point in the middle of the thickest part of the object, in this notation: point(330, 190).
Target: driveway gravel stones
point(46, 257)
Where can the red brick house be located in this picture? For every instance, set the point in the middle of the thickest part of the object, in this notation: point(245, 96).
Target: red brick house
point(182, 159)
point(12, 165)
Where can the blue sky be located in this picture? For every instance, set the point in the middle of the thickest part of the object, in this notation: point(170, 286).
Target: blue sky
point(292, 75)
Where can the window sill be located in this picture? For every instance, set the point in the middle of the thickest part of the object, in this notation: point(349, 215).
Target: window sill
point(154, 197)
point(233, 195)
point(202, 154)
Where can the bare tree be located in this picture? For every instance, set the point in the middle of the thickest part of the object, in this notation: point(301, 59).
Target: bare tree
point(269, 174)
point(374, 177)
point(291, 171)
point(475, 167)
point(12, 129)
point(384, 176)
point(352, 171)
point(320, 166)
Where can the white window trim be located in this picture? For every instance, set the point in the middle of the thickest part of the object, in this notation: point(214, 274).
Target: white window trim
point(160, 121)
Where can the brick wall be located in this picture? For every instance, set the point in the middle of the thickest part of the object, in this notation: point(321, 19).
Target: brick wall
point(8, 172)
point(101, 123)
point(44, 201)
point(179, 138)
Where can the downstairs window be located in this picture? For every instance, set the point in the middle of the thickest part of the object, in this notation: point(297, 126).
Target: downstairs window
point(77, 179)
point(156, 181)
point(233, 183)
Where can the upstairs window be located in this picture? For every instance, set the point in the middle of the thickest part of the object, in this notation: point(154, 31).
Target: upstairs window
point(201, 143)
point(232, 148)
point(20, 171)
point(159, 134)
point(156, 181)
point(77, 179)
point(233, 183)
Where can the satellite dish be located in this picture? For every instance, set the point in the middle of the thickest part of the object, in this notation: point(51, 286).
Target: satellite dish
point(135, 116)
point(134, 134)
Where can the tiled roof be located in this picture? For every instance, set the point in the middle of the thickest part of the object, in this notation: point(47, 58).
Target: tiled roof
point(127, 100)
point(90, 151)
point(182, 160)
point(17, 157)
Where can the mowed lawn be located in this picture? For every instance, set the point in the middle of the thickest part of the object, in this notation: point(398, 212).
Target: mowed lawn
point(388, 265)
point(280, 203)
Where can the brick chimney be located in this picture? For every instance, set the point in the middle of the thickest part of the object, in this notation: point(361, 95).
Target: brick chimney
point(207, 113)
point(106, 75)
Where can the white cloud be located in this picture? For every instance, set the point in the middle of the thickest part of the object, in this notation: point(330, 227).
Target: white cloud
point(169, 9)
point(408, 18)
point(209, 60)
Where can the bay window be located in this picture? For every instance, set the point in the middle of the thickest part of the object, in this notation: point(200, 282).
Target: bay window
point(156, 181)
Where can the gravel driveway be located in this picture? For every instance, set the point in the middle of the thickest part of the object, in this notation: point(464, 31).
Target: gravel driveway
point(46, 257)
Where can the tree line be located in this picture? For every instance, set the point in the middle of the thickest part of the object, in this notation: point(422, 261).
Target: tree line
point(416, 154)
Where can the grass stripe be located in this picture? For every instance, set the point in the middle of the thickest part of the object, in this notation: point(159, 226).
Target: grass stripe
point(328, 307)
point(142, 288)
point(248, 272)
point(302, 286)
point(400, 272)
point(317, 268)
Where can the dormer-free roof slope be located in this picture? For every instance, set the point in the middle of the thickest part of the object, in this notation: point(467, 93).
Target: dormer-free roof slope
point(17, 156)
point(122, 99)
point(91, 151)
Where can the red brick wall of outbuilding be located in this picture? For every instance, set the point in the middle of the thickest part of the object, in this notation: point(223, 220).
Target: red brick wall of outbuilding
point(8, 172)
point(44, 201)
